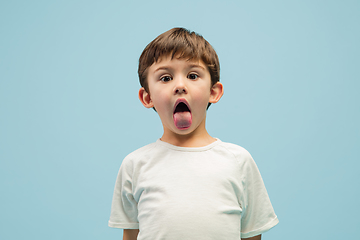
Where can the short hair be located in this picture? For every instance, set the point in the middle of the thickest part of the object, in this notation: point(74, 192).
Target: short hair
point(181, 43)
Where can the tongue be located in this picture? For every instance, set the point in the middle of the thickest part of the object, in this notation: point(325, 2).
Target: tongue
point(182, 120)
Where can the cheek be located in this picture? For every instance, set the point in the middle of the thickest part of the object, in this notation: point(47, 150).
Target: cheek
point(201, 101)
point(202, 96)
point(161, 102)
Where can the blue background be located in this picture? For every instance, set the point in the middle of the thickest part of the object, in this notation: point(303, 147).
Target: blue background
point(69, 111)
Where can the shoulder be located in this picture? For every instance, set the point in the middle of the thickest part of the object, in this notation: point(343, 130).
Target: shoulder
point(236, 151)
point(142, 150)
point(239, 154)
point(138, 154)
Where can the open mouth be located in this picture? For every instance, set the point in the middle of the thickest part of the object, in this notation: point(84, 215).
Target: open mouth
point(181, 107)
point(182, 114)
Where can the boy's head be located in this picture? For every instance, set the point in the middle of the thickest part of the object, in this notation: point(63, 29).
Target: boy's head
point(183, 44)
point(179, 75)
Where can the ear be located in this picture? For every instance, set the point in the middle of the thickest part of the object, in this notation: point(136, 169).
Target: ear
point(216, 92)
point(145, 98)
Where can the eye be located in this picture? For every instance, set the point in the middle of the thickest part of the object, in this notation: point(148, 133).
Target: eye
point(193, 76)
point(165, 78)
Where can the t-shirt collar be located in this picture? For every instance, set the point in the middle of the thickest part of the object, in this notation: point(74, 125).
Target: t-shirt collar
point(188, 149)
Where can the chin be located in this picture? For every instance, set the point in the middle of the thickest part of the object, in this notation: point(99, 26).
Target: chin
point(184, 131)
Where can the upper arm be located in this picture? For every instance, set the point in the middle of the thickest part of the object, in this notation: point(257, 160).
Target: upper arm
point(130, 234)
point(258, 237)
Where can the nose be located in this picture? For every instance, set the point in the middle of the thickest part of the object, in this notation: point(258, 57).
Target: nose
point(180, 90)
point(180, 87)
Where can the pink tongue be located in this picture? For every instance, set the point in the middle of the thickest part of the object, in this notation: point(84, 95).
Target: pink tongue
point(182, 119)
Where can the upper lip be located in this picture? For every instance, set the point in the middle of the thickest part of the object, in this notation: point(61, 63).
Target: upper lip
point(181, 100)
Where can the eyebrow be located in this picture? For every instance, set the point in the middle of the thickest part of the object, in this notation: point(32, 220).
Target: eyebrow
point(162, 68)
point(189, 66)
point(196, 66)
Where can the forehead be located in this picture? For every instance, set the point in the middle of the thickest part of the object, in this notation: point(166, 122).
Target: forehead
point(169, 62)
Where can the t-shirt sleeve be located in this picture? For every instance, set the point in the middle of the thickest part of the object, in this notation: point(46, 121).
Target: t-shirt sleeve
point(258, 215)
point(124, 207)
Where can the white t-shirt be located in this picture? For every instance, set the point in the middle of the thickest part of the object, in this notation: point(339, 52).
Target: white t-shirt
point(212, 192)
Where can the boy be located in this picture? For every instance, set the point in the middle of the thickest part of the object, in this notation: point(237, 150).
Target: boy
point(187, 185)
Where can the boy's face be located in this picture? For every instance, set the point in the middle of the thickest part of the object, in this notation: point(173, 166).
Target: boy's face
point(180, 91)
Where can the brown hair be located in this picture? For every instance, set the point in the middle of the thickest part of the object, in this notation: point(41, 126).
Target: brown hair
point(181, 43)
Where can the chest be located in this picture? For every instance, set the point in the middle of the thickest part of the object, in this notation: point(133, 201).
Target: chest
point(188, 178)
